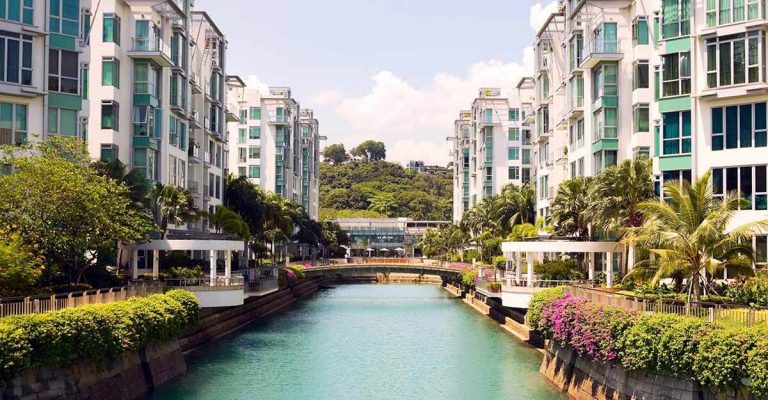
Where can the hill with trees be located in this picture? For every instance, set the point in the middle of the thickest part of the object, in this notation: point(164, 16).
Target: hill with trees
point(362, 184)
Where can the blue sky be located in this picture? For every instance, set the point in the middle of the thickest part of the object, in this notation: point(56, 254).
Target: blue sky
point(390, 70)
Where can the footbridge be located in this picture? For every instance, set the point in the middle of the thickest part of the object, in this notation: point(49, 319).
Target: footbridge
point(368, 266)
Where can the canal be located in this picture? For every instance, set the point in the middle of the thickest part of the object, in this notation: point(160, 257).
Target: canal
point(367, 342)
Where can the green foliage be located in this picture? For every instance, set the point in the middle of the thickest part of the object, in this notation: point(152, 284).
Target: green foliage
point(537, 303)
point(357, 189)
point(522, 231)
point(497, 215)
point(559, 270)
point(757, 363)
point(185, 272)
point(500, 262)
point(298, 270)
point(55, 200)
point(494, 287)
point(752, 291)
point(175, 205)
point(93, 332)
point(720, 360)
point(335, 153)
point(370, 150)
point(569, 208)
point(19, 266)
point(468, 277)
point(224, 219)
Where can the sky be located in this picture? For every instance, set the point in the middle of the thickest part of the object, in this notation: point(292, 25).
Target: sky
point(397, 71)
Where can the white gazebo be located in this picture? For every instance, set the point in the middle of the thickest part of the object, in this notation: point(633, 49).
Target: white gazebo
point(535, 249)
point(212, 246)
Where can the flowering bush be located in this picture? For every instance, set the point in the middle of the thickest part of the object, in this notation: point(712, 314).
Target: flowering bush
point(468, 277)
point(537, 303)
point(298, 271)
point(752, 291)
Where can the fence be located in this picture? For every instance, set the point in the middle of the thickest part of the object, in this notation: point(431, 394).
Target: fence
point(41, 304)
point(713, 312)
point(204, 284)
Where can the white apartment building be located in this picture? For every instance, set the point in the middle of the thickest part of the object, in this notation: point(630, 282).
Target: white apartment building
point(680, 81)
point(278, 144)
point(492, 146)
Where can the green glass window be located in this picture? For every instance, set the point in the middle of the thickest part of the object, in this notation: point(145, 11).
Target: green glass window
point(111, 32)
point(254, 171)
point(526, 156)
point(254, 152)
point(640, 31)
point(739, 126)
point(514, 134)
point(241, 171)
point(110, 72)
point(242, 136)
point(62, 122)
point(254, 132)
point(676, 16)
point(513, 153)
point(109, 152)
point(513, 173)
point(676, 133)
point(17, 10)
point(642, 116)
point(110, 111)
point(13, 124)
point(243, 116)
point(255, 113)
point(611, 40)
point(514, 114)
point(64, 17)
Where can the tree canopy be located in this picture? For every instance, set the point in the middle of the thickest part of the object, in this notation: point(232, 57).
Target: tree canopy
point(370, 150)
point(335, 153)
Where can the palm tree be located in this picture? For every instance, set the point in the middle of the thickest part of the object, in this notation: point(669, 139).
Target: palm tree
point(616, 193)
point(569, 209)
point(175, 205)
point(224, 219)
point(689, 233)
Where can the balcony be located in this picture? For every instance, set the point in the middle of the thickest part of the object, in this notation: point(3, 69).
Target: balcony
point(194, 120)
point(273, 118)
point(194, 80)
point(153, 49)
point(231, 111)
point(600, 50)
point(194, 188)
point(194, 153)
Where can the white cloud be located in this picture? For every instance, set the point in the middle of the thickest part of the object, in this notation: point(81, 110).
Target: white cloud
point(413, 122)
point(254, 82)
point(539, 13)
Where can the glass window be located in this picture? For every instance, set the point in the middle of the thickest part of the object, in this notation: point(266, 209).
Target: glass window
point(110, 72)
point(526, 157)
point(110, 111)
point(243, 117)
point(676, 74)
point(640, 31)
point(739, 126)
point(254, 171)
point(749, 181)
point(642, 75)
point(13, 124)
point(17, 10)
point(64, 17)
point(676, 133)
point(254, 152)
point(514, 114)
point(514, 134)
point(642, 117)
point(16, 58)
point(255, 113)
point(735, 59)
point(111, 32)
point(242, 136)
point(513, 173)
point(676, 16)
point(63, 71)
point(513, 153)
point(254, 132)
point(62, 122)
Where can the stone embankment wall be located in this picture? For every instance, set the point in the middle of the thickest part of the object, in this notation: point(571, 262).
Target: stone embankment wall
point(132, 375)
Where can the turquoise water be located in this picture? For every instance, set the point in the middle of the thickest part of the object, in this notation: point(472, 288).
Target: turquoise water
point(367, 342)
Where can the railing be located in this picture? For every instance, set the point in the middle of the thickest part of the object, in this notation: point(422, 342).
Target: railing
point(41, 304)
point(713, 312)
point(151, 44)
point(204, 284)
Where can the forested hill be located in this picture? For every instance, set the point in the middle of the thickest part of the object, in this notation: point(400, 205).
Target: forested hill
point(377, 188)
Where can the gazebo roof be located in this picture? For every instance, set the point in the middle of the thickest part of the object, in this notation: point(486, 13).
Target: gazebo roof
point(559, 246)
point(189, 244)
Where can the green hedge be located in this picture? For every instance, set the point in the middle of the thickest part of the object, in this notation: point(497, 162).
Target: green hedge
point(537, 303)
point(715, 356)
point(94, 332)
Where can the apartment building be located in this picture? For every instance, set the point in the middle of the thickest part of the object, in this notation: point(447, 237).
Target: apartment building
point(47, 100)
point(492, 145)
point(278, 143)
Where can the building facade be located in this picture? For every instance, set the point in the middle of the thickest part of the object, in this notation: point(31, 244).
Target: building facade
point(278, 144)
point(386, 236)
point(681, 82)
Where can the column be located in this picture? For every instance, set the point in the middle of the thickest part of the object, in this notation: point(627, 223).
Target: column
point(630, 258)
point(212, 256)
point(518, 267)
point(609, 269)
point(227, 264)
point(135, 264)
point(591, 262)
point(529, 257)
point(155, 264)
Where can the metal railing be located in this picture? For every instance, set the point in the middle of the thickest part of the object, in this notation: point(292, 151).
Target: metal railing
point(60, 301)
point(151, 44)
point(712, 312)
point(204, 284)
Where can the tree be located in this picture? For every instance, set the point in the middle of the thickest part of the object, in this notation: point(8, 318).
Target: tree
point(224, 219)
point(688, 232)
point(615, 195)
point(175, 205)
point(569, 209)
point(20, 267)
point(134, 179)
point(383, 203)
point(335, 153)
point(56, 201)
point(370, 150)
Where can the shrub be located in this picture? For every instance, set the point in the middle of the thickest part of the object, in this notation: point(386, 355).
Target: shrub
point(469, 277)
point(500, 262)
point(537, 303)
point(752, 291)
point(94, 332)
point(195, 272)
point(494, 287)
point(559, 270)
point(298, 271)
point(721, 360)
point(757, 364)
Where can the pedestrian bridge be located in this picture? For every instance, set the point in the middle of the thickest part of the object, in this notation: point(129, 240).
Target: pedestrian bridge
point(386, 266)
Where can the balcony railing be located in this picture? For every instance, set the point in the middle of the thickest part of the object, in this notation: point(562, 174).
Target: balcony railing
point(152, 48)
point(600, 49)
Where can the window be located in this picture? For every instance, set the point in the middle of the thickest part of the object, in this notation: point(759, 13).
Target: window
point(678, 176)
point(110, 72)
point(543, 120)
point(513, 153)
point(526, 157)
point(254, 171)
point(513, 173)
point(63, 69)
point(243, 117)
point(13, 124)
point(514, 134)
point(604, 159)
point(84, 81)
point(641, 152)
point(576, 48)
point(605, 38)
point(111, 32)
point(675, 18)
point(604, 80)
point(640, 31)
point(110, 111)
point(242, 171)
point(254, 152)
point(242, 136)
point(576, 88)
point(724, 12)
point(526, 175)
point(15, 49)
point(173, 131)
point(514, 114)
point(676, 133)
point(606, 123)
point(577, 168)
point(676, 74)
point(749, 181)
point(62, 122)
point(641, 118)
point(145, 82)
point(544, 85)
point(255, 113)
point(65, 17)
point(17, 10)
point(735, 59)
point(109, 152)
point(642, 75)
point(254, 132)
point(739, 126)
